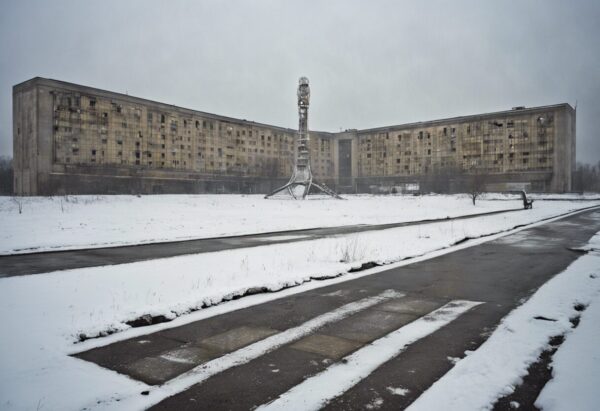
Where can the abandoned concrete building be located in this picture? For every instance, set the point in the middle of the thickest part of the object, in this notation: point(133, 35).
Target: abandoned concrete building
point(73, 139)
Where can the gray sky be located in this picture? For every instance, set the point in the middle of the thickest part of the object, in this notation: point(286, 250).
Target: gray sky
point(370, 63)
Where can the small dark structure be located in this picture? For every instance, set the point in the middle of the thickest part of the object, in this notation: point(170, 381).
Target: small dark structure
point(527, 204)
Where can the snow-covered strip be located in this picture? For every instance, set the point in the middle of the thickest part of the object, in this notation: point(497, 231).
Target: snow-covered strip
point(576, 368)
point(314, 392)
point(493, 370)
point(74, 222)
point(255, 350)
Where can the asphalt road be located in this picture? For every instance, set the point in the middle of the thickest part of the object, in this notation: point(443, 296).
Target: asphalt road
point(36, 263)
point(499, 274)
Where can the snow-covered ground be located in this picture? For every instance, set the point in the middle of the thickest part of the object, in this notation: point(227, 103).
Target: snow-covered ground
point(43, 315)
point(50, 223)
point(576, 367)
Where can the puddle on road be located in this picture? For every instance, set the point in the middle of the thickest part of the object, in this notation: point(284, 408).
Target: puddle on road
point(527, 240)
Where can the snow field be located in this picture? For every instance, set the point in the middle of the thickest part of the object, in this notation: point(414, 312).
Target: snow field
point(51, 223)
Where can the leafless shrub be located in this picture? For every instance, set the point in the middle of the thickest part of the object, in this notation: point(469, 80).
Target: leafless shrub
point(351, 250)
point(19, 202)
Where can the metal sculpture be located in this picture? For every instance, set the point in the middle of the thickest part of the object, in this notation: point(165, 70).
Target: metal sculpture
point(302, 174)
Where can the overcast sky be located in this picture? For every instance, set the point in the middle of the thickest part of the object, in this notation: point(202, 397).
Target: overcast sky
point(370, 63)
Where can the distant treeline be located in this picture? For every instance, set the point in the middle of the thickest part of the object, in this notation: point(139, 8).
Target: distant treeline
point(586, 178)
point(6, 176)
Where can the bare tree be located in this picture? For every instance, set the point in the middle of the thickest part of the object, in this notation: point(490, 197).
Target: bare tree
point(19, 202)
point(477, 181)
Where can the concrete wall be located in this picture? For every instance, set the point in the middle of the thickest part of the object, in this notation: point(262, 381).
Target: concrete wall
point(25, 137)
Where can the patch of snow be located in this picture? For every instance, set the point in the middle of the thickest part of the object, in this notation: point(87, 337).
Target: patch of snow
point(453, 360)
point(375, 404)
point(398, 391)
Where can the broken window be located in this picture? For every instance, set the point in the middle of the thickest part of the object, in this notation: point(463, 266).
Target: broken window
point(92, 102)
point(162, 118)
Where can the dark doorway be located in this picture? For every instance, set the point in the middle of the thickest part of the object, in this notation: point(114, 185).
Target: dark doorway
point(345, 163)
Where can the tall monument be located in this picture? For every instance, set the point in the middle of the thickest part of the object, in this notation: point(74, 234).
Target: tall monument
point(302, 174)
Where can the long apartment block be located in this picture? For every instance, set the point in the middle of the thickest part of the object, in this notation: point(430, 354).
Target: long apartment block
point(73, 139)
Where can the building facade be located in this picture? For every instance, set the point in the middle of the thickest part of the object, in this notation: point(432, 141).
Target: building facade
point(72, 139)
